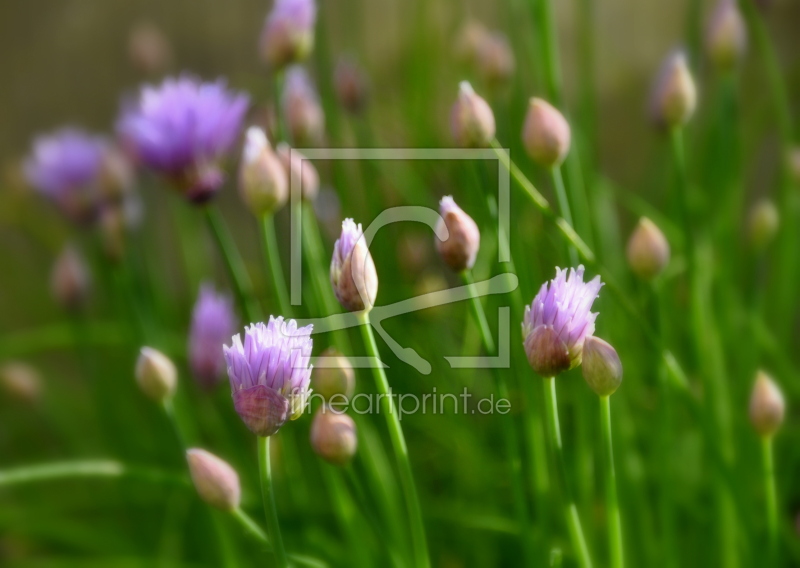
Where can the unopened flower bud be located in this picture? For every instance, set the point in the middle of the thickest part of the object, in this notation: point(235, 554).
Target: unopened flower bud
point(469, 40)
point(601, 366)
point(726, 35)
point(216, 481)
point(350, 84)
point(301, 108)
point(333, 436)
point(353, 275)
point(333, 375)
point(674, 95)
point(763, 224)
point(262, 179)
point(767, 406)
point(149, 49)
point(298, 168)
point(288, 33)
point(547, 354)
point(21, 381)
point(69, 280)
point(112, 229)
point(471, 119)
point(116, 174)
point(460, 248)
point(545, 134)
point(156, 374)
point(495, 59)
point(648, 250)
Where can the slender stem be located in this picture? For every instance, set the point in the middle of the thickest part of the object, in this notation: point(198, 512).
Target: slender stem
point(281, 132)
point(612, 505)
point(268, 495)
point(249, 525)
point(682, 194)
point(85, 469)
point(563, 204)
point(274, 264)
point(570, 510)
point(770, 495)
point(418, 538)
point(234, 263)
point(479, 314)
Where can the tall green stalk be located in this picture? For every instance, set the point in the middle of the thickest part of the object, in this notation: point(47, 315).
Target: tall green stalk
point(274, 264)
point(563, 204)
point(612, 504)
point(268, 496)
point(771, 499)
point(570, 509)
point(418, 539)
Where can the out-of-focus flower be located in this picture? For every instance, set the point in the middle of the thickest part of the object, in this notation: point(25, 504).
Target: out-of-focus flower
point(21, 381)
point(469, 40)
point(463, 240)
point(116, 175)
point(673, 97)
point(156, 374)
point(351, 85)
point(328, 209)
point(213, 323)
point(149, 49)
point(69, 280)
point(545, 133)
point(601, 367)
point(216, 481)
point(763, 224)
point(353, 274)
point(296, 165)
point(112, 231)
point(333, 436)
point(301, 108)
point(648, 250)
point(333, 375)
point(558, 321)
point(767, 406)
point(182, 129)
point(262, 179)
point(726, 35)
point(471, 119)
point(65, 167)
point(288, 33)
point(270, 373)
point(495, 59)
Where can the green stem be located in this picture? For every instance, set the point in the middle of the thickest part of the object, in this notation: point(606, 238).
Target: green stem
point(274, 264)
point(249, 525)
point(85, 469)
point(418, 538)
point(570, 510)
point(234, 263)
point(770, 495)
point(563, 204)
point(479, 314)
point(682, 195)
point(612, 505)
point(268, 495)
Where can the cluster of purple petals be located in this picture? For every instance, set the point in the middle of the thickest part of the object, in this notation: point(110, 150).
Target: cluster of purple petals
point(213, 323)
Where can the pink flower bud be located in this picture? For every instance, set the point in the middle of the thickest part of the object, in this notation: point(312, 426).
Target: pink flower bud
point(726, 35)
point(648, 250)
point(156, 374)
point(288, 33)
point(350, 84)
point(674, 96)
point(333, 375)
point(295, 164)
point(21, 381)
point(149, 49)
point(763, 224)
point(601, 366)
point(333, 436)
point(464, 239)
point(353, 275)
point(471, 119)
point(545, 134)
point(69, 280)
point(495, 59)
point(262, 179)
point(302, 110)
point(767, 406)
point(216, 481)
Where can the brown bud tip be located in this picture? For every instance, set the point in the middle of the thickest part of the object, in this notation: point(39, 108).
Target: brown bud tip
point(333, 436)
point(156, 374)
point(262, 179)
point(262, 409)
point(648, 250)
point(470, 37)
point(350, 84)
point(763, 224)
point(21, 381)
point(333, 375)
point(299, 169)
point(69, 280)
point(601, 366)
point(674, 95)
point(767, 406)
point(495, 59)
point(547, 354)
point(216, 481)
point(726, 35)
point(460, 248)
point(471, 119)
point(149, 49)
point(545, 134)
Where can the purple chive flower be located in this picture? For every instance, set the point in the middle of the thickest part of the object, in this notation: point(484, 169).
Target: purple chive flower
point(558, 321)
point(183, 128)
point(213, 322)
point(288, 33)
point(65, 167)
point(353, 275)
point(270, 373)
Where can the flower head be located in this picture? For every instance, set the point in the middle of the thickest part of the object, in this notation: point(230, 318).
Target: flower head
point(65, 167)
point(213, 322)
point(648, 250)
point(471, 119)
point(270, 373)
point(545, 133)
point(726, 35)
point(156, 374)
point(601, 367)
point(262, 179)
point(288, 33)
point(673, 97)
point(216, 481)
point(333, 436)
point(351, 85)
point(301, 108)
point(559, 320)
point(70, 279)
point(182, 128)
point(463, 240)
point(767, 405)
point(353, 275)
